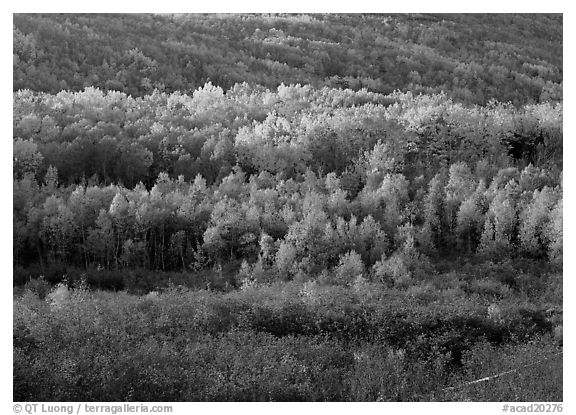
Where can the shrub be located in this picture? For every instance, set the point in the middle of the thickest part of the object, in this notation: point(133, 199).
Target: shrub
point(281, 341)
point(536, 376)
point(38, 286)
point(490, 288)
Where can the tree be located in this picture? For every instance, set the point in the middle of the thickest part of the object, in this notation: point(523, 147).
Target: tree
point(404, 264)
point(229, 230)
point(387, 203)
point(285, 259)
point(554, 234)
point(383, 159)
point(101, 242)
point(194, 211)
point(470, 219)
point(434, 230)
point(349, 268)
point(460, 186)
point(58, 227)
point(501, 224)
point(534, 222)
point(307, 236)
point(26, 157)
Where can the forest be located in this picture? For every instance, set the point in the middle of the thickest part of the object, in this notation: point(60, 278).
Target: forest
point(287, 207)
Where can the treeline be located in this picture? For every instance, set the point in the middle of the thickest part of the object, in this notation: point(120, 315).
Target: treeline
point(473, 58)
point(297, 182)
point(290, 227)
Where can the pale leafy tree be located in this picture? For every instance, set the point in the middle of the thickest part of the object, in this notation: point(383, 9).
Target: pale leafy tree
point(229, 230)
point(271, 219)
point(58, 227)
point(285, 259)
point(470, 219)
point(245, 275)
point(26, 157)
point(485, 170)
point(554, 234)
point(312, 183)
point(195, 209)
point(25, 194)
point(336, 202)
point(433, 233)
point(85, 204)
point(233, 186)
point(139, 208)
point(534, 178)
point(161, 210)
point(502, 178)
point(500, 227)
point(101, 242)
point(220, 149)
point(392, 270)
point(396, 269)
point(405, 263)
point(387, 203)
point(339, 239)
point(461, 184)
point(307, 235)
point(270, 146)
point(371, 240)
point(118, 211)
point(28, 126)
point(268, 250)
point(51, 180)
point(366, 238)
point(332, 182)
point(349, 268)
point(535, 220)
point(383, 159)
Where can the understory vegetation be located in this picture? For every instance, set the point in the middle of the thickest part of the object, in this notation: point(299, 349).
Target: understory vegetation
point(326, 209)
point(292, 342)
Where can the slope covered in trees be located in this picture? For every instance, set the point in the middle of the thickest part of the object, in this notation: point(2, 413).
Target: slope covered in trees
point(109, 180)
point(473, 58)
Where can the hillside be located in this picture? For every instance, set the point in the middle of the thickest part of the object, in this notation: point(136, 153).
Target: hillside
point(473, 58)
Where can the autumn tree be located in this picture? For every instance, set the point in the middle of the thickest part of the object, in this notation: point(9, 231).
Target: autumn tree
point(535, 221)
point(500, 231)
point(554, 234)
point(26, 157)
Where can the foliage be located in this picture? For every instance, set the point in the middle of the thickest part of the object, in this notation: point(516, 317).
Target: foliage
point(286, 207)
point(287, 341)
point(473, 57)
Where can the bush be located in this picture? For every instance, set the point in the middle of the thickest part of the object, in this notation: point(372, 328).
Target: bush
point(536, 376)
point(283, 341)
point(38, 286)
